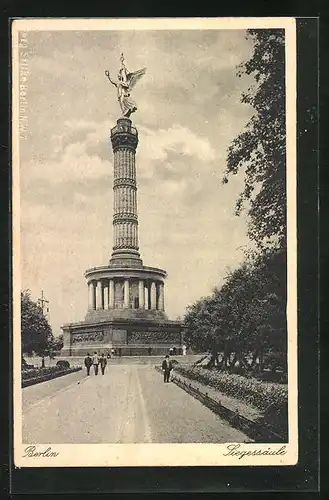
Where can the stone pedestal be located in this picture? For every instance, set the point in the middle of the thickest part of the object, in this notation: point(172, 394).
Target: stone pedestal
point(133, 337)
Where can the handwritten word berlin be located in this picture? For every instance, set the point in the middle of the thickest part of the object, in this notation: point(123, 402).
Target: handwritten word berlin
point(31, 452)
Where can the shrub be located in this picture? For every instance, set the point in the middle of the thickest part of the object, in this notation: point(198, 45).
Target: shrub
point(26, 366)
point(63, 363)
point(276, 361)
point(276, 415)
point(32, 377)
point(257, 393)
point(39, 372)
point(269, 376)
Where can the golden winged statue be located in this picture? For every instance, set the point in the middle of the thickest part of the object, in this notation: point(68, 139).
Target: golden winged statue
point(125, 83)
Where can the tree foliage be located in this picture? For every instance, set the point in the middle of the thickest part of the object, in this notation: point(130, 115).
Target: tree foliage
point(36, 334)
point(57, 343)
point(260, 150)
point(247, 314)
point(246, 318)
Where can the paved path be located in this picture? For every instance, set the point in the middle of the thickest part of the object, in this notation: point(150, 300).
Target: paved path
point(129, 404)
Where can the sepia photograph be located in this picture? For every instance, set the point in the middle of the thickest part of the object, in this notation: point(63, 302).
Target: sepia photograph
point(154, 242)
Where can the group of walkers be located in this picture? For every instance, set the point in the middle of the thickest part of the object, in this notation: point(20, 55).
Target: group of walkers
point(95, 361)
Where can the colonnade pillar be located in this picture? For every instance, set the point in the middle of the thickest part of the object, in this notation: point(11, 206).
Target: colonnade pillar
point(111, 294)
point(153, 296)
point(126, 294)
point(99, 298)
point(141, 294)
point(91, 296)
point(146, 296)
point(161, 297)
point(106, 297)
point(150, 295)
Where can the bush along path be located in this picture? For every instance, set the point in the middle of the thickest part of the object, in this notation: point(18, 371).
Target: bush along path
point(37, 375)
point(264, 405)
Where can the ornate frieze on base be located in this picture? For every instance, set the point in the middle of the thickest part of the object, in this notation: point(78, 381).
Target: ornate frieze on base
point(154, 337)
point(130, 336)
point(87, 337)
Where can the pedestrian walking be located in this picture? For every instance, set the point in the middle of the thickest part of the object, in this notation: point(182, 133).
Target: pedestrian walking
point(171, 350)
point(184, 350)
point(166, 367)
point(103, 363)
point(88, 363)
point(95, 362)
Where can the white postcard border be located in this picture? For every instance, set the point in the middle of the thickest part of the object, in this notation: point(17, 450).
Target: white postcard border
point(96, 455)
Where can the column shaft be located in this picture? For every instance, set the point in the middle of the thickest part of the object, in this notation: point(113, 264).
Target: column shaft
point(141, 296)
point(91, 296)
point(146, 295)
point(161, 297)
point(126, 294)
point(106, 297)
point(153, 296)
point(99, 302)
point(111, 294)
point(124, 185)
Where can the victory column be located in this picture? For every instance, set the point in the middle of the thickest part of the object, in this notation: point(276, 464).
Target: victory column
point(126, 308)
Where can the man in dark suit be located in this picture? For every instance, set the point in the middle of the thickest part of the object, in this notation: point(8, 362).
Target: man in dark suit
point(88, 363)
point(166, 367)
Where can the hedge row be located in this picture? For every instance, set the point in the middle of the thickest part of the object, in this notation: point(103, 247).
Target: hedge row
point(34, 376)
point(261, 395)
point(36, 372)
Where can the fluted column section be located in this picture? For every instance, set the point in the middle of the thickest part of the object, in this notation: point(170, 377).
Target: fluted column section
point(124, 139)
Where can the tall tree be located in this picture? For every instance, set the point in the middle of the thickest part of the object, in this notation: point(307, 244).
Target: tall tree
point(36, 334)
point(247, 314)
point(259, 151)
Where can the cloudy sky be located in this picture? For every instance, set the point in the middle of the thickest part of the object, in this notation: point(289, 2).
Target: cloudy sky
point(189, 112)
